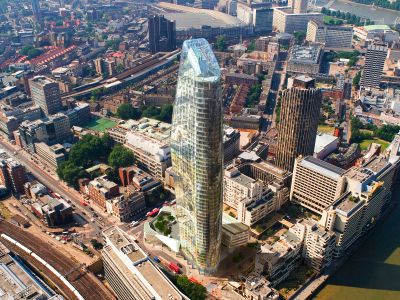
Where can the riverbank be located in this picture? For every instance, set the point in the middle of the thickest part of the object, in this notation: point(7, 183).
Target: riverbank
point(373, 271)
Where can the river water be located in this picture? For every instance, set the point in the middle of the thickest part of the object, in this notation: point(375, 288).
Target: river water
point(373, 271)
point(379, 15)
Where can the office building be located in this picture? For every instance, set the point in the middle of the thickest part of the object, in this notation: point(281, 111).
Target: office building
point(126, 206)
point(382, 32)
point(162, 34)
point(231, 143)
point(331, 36)
point(58, 128)
point(234, 233)
point(130, 272)
point(45, 93)
point(51, 156)
point(325, 144)
point(197, 155)
point(287, 21)
point(305, 59)
point(52, 211)
point(101, 189)
point(205, 4)
point(258, 14)
point(298, 124)
point(374, 63)
point(316, 184)
point(36, 9)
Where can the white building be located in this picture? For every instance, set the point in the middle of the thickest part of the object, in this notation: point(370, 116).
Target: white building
point(370, 32)
point(331, 36)
point(285, 20)
point(325, 144)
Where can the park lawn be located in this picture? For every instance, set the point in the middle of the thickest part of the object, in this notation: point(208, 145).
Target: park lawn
point(325, 129)
point(100, 124)
point(366, 131)
point(365, 143)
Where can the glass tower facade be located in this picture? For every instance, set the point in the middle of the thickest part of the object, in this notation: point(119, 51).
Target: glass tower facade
point(197, 155)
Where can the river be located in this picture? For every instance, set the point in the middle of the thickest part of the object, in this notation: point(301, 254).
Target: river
point(373, 271)
point(379, 15)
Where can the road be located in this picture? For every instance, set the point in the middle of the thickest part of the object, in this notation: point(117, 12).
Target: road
point(57, 186)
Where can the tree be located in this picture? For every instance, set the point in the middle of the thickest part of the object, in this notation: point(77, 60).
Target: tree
point(356, 79)
point(126, 111)
point(252, 46)
point(166, 113)
point(121, 156)
point(193, 290)
point(221, 43)
point(120, 68)
point(70, 173)
point(300, 36)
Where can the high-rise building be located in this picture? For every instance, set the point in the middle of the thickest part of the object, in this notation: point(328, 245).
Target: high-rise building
point(316, 184)
point(162, 34)
point(12, 175)
point(258, 14)
point(298, 124)
point(197, 155)
point(374, 63)
point(45, 93)
point(36, 9)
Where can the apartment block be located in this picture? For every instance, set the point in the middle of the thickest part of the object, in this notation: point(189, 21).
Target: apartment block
point(130, 272)
point(318, 243)
point(12, 174)
point(316, 184)
point(45, 93)
point(374, 62)
point(239, 187)
point(278, 260)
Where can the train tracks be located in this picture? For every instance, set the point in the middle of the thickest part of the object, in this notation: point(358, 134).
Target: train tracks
point(86, 283)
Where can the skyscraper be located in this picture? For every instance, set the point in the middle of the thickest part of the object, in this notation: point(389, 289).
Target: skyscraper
point(374, 63)
point(162, 34)
point(298, 124)
point(45, 93)
point(36, 9)
point(196, 149)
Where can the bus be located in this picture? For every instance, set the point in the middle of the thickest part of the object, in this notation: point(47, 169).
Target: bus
point(153, 213)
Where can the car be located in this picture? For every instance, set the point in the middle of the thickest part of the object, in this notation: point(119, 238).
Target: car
point(91, 208)
point(100, 218)
point(83, 213)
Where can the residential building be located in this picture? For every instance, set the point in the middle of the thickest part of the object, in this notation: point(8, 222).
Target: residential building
point(12, 174)
point(278, 260)
point(239, 187)
point(305, 59)
point(52, 211)
point(287, 21)
point(298, 124)
point(266, 172)
point(45, 93)
point(257, 287)
point(258, 62)
point(197, 155)
point(162, 34)
point(333, 36)
point(51, 156)
point(316, 184)
point(374, 63)
point(58, 128)
point(130, 272)
point(101, 189)
point(318, 243)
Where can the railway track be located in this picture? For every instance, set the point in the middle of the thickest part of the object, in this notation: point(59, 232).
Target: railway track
point(88, 285)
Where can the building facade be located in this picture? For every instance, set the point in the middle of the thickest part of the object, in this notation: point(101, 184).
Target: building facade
point(45, 93)
point(162, 34)
point(331, 36)
point(374, 63)
point(197, 155)
point(299, 121)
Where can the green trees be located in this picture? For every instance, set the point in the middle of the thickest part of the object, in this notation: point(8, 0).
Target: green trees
point(300, 36)
point(163, 114)
point(30, 51)
point(252, 46)
point(120, 157)
point(221, 43)
point(356, 79)
point(127, 111)
point(84, 154)
point(253, 95)
point(193, 290)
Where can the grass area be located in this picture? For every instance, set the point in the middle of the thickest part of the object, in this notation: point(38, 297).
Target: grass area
point(4, 211)
point(100, 124)
point(365, 144)
point(366, 131)
point(328, 18)
point(326, 129)
point(295, 280)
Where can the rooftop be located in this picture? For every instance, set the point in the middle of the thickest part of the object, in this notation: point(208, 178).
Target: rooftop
point(305, 54)
point(323, 140)
point(322, 167)
point(233, 225)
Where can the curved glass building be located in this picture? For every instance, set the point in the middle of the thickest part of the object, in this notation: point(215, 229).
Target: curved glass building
point(197, 155)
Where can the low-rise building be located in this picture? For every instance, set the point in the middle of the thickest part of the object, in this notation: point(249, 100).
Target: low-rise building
point(370, 32)
point(51, 156)
point(231, 143)
point(305, 59)
point(258, 62)
point(52, 211)
point(234, 233)
point(126, 206)
point(325, 144)
point(101, 189)
point(130, 272)
point(258, 288)
point(278, 260)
